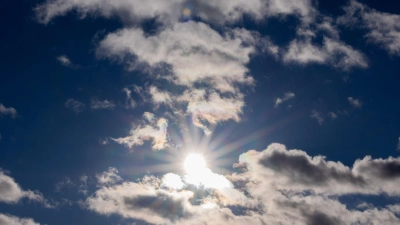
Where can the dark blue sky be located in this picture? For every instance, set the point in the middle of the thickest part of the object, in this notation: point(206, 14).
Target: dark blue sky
point(46, 146)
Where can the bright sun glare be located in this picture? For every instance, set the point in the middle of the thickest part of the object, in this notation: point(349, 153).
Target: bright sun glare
point(198, 174)
point(194, 163)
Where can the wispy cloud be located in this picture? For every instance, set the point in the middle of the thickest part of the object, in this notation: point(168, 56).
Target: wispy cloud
point(317, 116)
point(10, 111)
point(149, 129)
point(75, 105)
point(288, 95)
point(64, 60)
point(356, 103)
point(105, 104)
point(383, 28)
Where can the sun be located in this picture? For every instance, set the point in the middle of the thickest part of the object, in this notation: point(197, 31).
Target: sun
point(194, 164)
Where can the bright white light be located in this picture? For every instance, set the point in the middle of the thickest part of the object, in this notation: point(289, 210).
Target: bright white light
point(173, 181)
point(199, 175)
point(194, 163)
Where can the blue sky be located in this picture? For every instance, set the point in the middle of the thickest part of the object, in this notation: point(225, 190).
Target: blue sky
point(292, 104)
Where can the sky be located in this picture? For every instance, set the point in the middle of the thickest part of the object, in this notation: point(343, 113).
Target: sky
point(199, 112)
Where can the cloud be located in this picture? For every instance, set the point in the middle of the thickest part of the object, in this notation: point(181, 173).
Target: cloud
point(333, 52)
point(129, 103)
point(63, 183)
point(318, 116)
point(105, 104)
point(383, 28)
point(398, 145)
point(148, 130)
point(288, 95)
point(274, 186)
point(64, 60)
point(108, 177)
point(7, 111)
point(74, 105)
point(332, 115)
point(356, 103)
point(11, 192)
point(169, 12)
point(13, 220)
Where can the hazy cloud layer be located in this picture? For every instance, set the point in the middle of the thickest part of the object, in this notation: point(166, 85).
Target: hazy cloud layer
point(383, 28)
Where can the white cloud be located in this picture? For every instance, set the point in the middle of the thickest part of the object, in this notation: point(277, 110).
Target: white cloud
point(318, 116)
point(105, 104)
point(64, 60)
point(288, 95)
point(129, 103)
point(275, 186)
point(169, 12)
point(383, 28)
point(11, 192)
point(108, 177)
point(7, 111)
point(75, 105)
point(333, 52)
point(356, 103)
point(150, 130)
point(13, 220)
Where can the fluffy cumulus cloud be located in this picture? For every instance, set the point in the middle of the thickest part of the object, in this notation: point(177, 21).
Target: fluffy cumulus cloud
point(13, 220)
point(7, 111)
point(382, 28)
point(149, 129)
point(11, 192)
point(273, 186)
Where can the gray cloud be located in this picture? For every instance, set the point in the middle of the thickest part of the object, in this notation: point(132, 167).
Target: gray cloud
point(7, 111)
point(75, 105)
point(105, 104)
point(356, 103)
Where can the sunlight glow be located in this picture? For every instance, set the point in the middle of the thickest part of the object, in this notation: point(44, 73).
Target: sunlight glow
point(199, 175)
point(194, 163)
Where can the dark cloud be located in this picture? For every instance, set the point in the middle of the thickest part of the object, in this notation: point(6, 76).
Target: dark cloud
point(301, 168)
point(165, 205)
